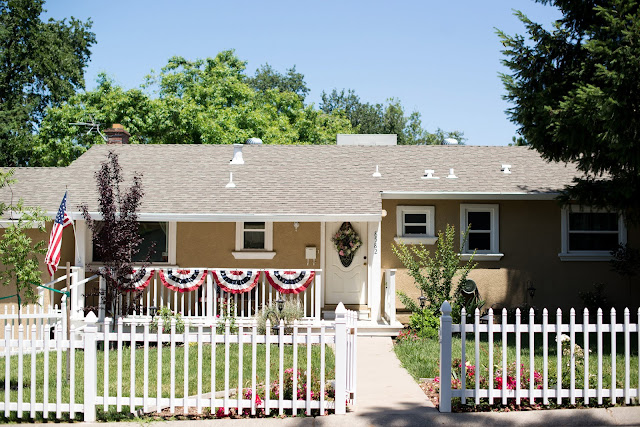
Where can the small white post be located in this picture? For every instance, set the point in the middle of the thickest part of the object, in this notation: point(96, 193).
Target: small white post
point(317, 288)
point(614, 386)
point(209, 296)
point(90, 367)
point(341, 360)
point(585, 346)
point(627, 356)
point(445, 357)
point(391, 287)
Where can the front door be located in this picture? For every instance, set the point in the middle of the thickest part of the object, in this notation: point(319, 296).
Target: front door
point(346, 284)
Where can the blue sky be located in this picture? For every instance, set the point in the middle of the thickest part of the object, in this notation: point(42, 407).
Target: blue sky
point(441, 58)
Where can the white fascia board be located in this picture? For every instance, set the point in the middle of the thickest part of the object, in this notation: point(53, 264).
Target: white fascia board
point(180, 217)
point(463, 195)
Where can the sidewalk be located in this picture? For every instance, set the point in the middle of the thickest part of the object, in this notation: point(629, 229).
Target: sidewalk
point(388, 396)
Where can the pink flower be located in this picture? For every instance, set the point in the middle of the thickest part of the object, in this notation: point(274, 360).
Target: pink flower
point(341, 253)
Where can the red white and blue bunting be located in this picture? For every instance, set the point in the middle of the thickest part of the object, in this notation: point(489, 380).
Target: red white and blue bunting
point(236, 281)
point(290, 281)
point(181, 280)
point(137, 280)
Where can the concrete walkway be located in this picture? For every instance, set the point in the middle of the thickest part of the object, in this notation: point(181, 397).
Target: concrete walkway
point(388, 396)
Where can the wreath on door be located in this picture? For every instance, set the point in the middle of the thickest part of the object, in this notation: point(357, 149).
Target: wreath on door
point(347, 241)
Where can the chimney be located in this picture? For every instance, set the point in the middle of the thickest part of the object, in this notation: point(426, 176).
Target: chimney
point(117, 135)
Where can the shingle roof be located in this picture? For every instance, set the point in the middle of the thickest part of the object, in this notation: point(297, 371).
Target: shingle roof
point(291, 180)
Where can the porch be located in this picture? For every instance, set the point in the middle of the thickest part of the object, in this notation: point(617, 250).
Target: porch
point(203, 295)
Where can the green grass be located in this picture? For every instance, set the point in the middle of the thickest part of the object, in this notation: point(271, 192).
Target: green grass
point(192, 377)
point(421, 357)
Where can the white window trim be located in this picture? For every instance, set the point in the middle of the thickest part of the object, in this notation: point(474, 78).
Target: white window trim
point(242, 253)
point(567, 255)
point(493, 254)
point(429, 239)
point(171, 246)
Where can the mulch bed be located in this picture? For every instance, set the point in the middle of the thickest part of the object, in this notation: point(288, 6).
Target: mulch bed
point(431, 389)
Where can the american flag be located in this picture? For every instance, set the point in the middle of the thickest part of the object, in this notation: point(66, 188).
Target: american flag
point(61, 222)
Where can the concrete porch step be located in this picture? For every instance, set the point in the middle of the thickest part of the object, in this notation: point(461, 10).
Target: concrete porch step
point(329, 311)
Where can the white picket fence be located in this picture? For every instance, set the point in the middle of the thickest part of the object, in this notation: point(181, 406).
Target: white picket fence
point(339, 335)
point(43, 319)
point(544, 394)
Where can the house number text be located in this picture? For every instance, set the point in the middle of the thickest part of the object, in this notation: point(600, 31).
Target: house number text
point(375, 242)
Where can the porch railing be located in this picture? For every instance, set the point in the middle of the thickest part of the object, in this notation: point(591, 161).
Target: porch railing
point(211, 301)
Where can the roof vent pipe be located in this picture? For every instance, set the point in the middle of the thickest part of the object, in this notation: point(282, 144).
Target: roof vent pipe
point(506, 169)
point(451, 174)
point(428, 174)
point(376, 174)
point(231, 184)
point(253, 141)
point(237, 155)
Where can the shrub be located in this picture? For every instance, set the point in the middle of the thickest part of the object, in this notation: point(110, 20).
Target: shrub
point(291, 311)
point(595, 299)
point(435, 275)
point(166, 315)
point(425, 323)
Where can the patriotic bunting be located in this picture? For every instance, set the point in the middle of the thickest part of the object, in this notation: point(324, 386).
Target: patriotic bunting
point(236, 281)
point(290, 281)
point(137, 280)
point(181, 280)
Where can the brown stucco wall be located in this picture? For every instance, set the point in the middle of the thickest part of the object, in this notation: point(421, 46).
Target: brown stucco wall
point(530, 239)
point(210, 244)
point(67, 254)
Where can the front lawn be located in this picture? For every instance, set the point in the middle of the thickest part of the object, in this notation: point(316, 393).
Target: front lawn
point(421, 358)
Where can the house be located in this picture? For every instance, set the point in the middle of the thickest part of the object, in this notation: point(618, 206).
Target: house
point(250, 208)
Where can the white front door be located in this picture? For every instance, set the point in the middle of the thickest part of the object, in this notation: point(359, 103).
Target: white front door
point(346, 284)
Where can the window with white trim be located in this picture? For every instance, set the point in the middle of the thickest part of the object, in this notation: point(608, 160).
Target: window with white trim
point(254, 240)
point(415, 224)
point(483, 223)
point(590, 234)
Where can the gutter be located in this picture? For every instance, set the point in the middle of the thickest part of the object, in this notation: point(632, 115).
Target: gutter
point(182, 217)
point(464, 195)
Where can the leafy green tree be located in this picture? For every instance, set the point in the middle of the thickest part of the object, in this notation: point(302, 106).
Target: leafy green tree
point(576, 97)
point(369, 118)
point(267, 78)
point(41, 65)
point(206, 101)
point(58, 143)
point(19, 265)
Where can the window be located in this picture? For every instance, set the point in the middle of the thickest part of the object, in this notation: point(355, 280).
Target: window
point(415, 225)
point(590, 234)
point(160, 235)
point(153, 233)
point(484, 232)
point(254, 240)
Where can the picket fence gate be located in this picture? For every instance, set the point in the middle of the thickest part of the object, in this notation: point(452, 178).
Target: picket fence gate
point(340, 334)
point(544, 328)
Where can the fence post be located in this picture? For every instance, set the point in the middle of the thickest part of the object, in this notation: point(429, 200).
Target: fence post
point(341, 360)
point(90, 367)
point(317, 288)
point(445, 357)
